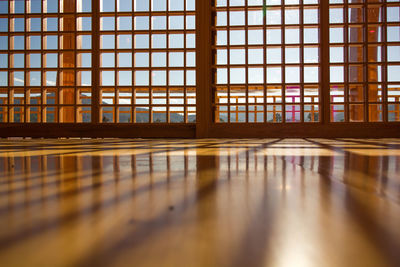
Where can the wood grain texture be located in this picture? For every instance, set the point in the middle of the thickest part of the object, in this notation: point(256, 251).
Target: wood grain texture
point(214, 130)
point(209, 202)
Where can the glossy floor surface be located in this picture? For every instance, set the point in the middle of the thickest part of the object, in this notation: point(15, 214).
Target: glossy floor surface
point(248, 202)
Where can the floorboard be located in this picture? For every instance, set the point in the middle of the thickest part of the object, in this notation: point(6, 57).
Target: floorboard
point(206, 202)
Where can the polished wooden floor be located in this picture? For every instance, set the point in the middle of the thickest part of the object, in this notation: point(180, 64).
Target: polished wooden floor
point(248, 202)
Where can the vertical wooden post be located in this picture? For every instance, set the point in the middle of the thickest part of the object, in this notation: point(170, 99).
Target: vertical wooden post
point(204, 105)
point(95, 61)
point(324, 58)
point(372, 56)
point(355, 75)
point(68, 60)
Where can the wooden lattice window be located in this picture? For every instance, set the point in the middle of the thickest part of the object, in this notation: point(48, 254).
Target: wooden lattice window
point(318, 66)
point(267, 61)
point(147, 61)
point(109, 61)
point(364, 60)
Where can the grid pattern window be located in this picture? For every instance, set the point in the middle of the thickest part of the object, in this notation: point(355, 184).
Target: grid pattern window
point(267, 63)
point(147, 61)
point(134, 62)
point(364, 60)
point(45, 66)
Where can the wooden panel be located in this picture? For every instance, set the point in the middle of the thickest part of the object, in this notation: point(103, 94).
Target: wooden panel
point(204, 67)
point(360, 130)
point(208, 203)
point(97, 130)
point(324, 20)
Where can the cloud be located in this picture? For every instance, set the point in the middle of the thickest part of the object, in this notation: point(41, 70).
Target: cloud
point(51, 83)
point(18, 80)
point(48, 82)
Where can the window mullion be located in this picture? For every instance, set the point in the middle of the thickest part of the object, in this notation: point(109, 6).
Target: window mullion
point(95, 61)
point(204, 70)
point(324, 59)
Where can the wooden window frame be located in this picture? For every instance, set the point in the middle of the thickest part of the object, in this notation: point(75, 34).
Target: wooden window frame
point(205, 125)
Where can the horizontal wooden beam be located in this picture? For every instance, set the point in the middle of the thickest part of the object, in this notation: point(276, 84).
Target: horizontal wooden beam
point(223, 130)
point(55, 130)
point(356, 130)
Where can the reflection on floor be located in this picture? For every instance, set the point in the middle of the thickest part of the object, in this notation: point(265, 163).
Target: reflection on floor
point(214, 202)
